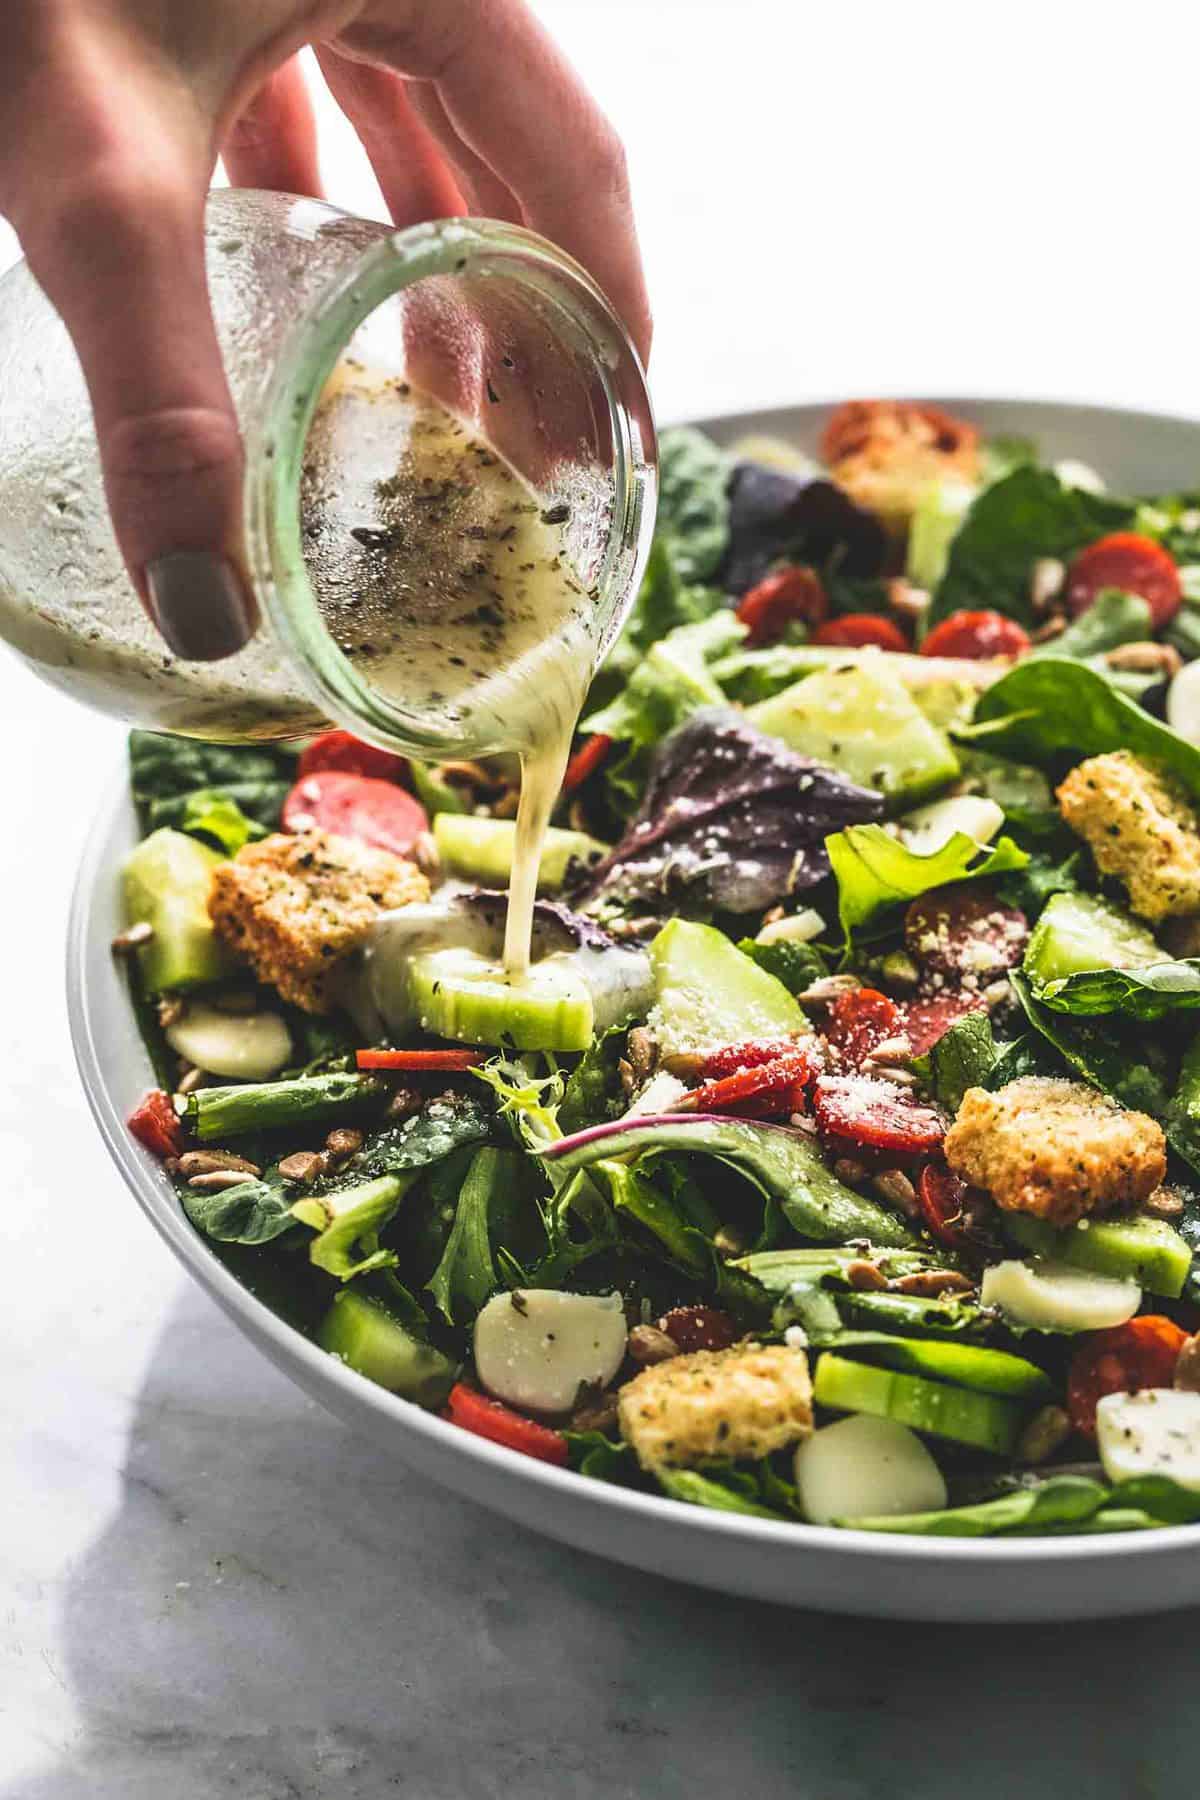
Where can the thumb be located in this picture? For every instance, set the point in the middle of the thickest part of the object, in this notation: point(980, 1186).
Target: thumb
point(120, 253)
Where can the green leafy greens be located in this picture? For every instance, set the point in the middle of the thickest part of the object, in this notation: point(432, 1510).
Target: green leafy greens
point(874, 870)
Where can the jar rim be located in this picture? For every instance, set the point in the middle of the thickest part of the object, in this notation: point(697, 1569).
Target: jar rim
point(275, 447)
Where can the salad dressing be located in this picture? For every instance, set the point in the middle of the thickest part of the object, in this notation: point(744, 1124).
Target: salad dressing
point(447, 583)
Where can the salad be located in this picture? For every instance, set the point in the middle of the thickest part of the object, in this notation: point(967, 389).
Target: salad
point(838, 1160)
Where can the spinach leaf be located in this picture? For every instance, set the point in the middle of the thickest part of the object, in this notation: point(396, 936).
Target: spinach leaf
point(1027, 515)
point(1060, 1500)
point(1174, 519)
point(214, 816)
point(635, 1195)
point(1183, 1135)
point(1147, 993)
point(693, 505)
point(665, 601)
point(1030, 888)
point(796, 965)
point(442, 1126)
point(164, 771)
point(874, 870)
point(252, 1213)
point(731, 821)
point(1049, 708)
point(466, 1276)
point(1118, 1063)
point(1113, 618)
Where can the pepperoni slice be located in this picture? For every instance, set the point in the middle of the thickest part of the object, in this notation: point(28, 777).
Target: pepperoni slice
point(342, 750)
point(855, 631)
point(356, 806)
point(874, 1115)
point(1129, 561)
point(768, 608)
point(699, 1328)
point(976, 636)
point(860, 1021)
point(1141, 1354)
point(964, 931)
point(930, 1018)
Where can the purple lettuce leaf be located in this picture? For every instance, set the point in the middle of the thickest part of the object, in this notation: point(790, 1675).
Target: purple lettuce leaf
point(731, 821)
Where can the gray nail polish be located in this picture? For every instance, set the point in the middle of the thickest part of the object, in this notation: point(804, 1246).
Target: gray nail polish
point(200, 605)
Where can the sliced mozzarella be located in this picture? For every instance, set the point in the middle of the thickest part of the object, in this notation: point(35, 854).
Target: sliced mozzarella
point(928, 829)
point(795, 928)
point(1056, 1297)
point(1155, 1432)
point(536, 1347)
point(241, 1046)
point(1183, 703)
point(1075, 474)
point(865, 1468)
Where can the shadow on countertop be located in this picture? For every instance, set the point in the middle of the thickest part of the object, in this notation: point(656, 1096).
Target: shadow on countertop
point(279, 1611)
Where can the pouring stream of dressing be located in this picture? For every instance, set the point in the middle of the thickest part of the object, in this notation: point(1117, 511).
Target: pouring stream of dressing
point(446, 581)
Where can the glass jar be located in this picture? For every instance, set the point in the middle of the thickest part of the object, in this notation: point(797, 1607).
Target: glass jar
point(493, 322)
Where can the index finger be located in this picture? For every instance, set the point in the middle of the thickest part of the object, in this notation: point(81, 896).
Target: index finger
point(514, 100)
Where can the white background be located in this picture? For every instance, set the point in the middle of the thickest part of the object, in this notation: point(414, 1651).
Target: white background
point(834, 200)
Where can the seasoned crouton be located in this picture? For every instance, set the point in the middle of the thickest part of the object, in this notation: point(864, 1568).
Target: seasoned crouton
point(1141, 827)
point(294, 905)
point(747, 1401)
point(1056, 1149)
point(886, 453)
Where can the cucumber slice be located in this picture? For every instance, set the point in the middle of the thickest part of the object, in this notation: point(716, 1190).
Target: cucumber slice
point(1136, 1248)
point(973, 1366)
point(239, 1046)
point(482, 849)
point(935, 522)
point(1078, 932)
point(372, 1340)
point(709, 993)
point(166, 882)
point(865, 723)
point(459, 994)
point(986, 1421)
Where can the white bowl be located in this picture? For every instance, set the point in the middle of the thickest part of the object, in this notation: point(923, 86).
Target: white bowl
point(798, 1565)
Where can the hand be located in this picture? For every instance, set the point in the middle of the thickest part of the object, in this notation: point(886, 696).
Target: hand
point(112, 115)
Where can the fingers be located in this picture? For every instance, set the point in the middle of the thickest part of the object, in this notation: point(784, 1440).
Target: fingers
point(410, 170)
point(273, 143)
point(486, 195)
point(118, 245)
point(519, 108)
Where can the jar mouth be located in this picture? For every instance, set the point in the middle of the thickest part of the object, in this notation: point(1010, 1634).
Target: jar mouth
point(492, 253)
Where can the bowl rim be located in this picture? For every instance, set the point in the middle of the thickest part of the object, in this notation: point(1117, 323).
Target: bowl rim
point(158, 1202)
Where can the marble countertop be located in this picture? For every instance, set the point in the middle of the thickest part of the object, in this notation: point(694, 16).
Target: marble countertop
point(207, 1586)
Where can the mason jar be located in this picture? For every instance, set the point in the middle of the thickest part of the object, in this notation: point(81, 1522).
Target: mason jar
point(497, 325)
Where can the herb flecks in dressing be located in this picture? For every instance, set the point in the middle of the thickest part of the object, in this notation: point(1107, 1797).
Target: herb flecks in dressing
point(446, 582)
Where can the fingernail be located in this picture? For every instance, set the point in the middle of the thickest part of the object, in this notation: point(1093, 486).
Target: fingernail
point(200, 605)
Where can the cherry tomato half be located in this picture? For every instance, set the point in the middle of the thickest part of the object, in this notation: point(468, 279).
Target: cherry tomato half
point(356, 806)
point(699, 1328)
point(154, 1123)
point(1141, 1354)
point(768, 608)
point(976, 636)
point(1133, 563)
point(854, 631)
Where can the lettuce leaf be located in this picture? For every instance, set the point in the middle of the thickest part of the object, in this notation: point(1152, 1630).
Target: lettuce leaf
point(1061, 1500)
point(702, 1490)
point(215, 816)
point(731, 821)
point(874, 870)
point(963, 1057)
point(487, 1220)
point(1147, 993)
point(1027, 515)
point(1113, 618)
point(165, 772)
point(1048, 709)
point(808, 519)
point(1121, 1063)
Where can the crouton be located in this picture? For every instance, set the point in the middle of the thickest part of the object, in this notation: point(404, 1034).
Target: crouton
point(887, 453)
point(1141, 827)
point(1057, 1149)
point(747, 1401)
point(294, 906)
